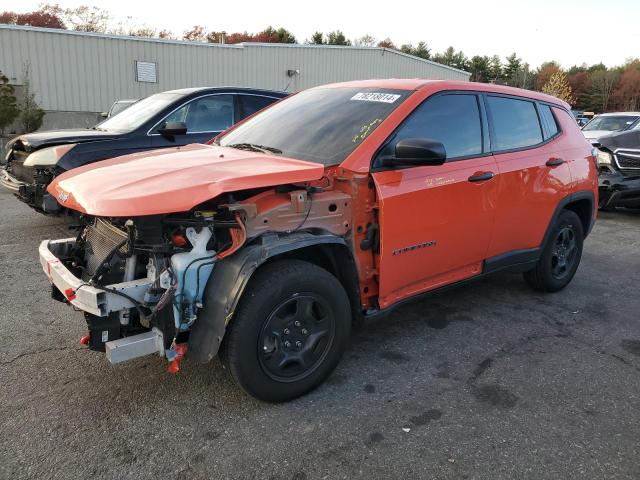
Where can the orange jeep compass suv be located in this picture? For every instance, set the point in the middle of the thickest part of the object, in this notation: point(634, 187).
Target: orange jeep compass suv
point(335, 204)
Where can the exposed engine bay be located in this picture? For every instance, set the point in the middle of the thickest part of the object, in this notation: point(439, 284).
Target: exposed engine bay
point(141, 281)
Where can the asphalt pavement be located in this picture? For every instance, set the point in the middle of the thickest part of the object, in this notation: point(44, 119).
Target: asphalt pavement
point(488, 381)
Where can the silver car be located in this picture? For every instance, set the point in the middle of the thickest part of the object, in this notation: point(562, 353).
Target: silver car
point(607, 123)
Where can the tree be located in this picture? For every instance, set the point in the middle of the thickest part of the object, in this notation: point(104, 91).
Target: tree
point(386, 43)
point(512, 69)
point(421, 50)
point(559, 87)
point(479, 68)
point(446, 57)
point(544, 73)
point(271, 35)
point(365, 41)
point(166, 34)
point(285, 36)
point(85, 19)
point(337, 38)
point(31, 114)
point(317, 38)
point(580, 82)
point(196, 34)
point(627, 93)
point(452, 58)
point(238, 37)
point(602, 85)
point(495, 69)
point(143, 32)
point(8, 104)
point(44, 17)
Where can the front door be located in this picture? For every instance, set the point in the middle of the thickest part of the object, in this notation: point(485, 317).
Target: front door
point(436, 221)
point(205, 117)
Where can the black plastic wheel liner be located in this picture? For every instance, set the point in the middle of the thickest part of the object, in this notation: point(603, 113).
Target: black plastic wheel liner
point(228, 281)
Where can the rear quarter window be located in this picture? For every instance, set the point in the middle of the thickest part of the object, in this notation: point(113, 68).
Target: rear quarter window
point(515, 123)
point(549, 124)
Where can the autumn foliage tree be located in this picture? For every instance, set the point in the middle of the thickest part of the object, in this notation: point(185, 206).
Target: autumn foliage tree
point(594, 87)
point(37, 18)
point(559, 87)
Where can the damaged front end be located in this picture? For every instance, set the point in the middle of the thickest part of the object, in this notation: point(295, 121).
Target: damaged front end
point(141, 281)
point(28, 173)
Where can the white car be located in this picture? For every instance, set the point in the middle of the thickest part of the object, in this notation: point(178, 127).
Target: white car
point(607, 123)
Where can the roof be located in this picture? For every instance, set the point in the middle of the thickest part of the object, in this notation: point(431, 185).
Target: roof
point(189, 91)
point(420, 83)
point(236, 45)
point(619, 114)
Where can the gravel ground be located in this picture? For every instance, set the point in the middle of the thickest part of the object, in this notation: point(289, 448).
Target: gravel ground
point(487, 381)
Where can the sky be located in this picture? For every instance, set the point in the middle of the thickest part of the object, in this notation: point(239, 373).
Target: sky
point(570, 32)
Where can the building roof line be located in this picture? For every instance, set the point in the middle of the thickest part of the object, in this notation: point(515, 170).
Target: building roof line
point(225, 45)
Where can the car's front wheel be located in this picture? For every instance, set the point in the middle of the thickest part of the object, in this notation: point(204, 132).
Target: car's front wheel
point(560, 256)
point(289, 332)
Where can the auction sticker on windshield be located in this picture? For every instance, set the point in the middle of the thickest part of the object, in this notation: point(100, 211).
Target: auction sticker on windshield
point(376, 97)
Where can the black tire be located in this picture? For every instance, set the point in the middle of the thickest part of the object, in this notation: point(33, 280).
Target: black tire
point(560, 256)
point(302, 299)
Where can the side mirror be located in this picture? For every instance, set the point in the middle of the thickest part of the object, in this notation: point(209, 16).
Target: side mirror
point(104, 114)
point(418, 151)
point(173, 128)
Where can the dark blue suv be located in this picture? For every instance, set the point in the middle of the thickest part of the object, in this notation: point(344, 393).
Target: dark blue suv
point(168, 119)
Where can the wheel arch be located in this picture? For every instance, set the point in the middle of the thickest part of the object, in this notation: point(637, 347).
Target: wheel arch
point(231, 276)
point(583, 204)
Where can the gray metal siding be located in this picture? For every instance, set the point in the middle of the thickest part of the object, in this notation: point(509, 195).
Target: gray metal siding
point(72, 71)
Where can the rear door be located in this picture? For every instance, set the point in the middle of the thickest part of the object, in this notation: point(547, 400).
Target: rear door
point(436, 221)
point(534, 175)
point(204, 116)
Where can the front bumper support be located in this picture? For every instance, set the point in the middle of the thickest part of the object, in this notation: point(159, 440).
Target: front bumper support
point(86, 297)
point(10, 182)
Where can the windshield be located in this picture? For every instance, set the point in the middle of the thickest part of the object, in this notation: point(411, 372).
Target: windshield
point(138, 113)
point(118, 107)
point(611, 124)
point(321, 125)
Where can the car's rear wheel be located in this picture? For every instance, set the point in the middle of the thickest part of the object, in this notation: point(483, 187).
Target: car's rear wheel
point(560, 256)
point(289, 332)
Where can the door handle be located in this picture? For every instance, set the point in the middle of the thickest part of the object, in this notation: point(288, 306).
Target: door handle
point(554, 162)
point(481, 177)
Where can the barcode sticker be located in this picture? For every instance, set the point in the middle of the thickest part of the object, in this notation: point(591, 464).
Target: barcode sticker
point(105, 335)
point(376, 97)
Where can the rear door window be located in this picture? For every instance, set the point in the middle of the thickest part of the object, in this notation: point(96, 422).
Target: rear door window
point(515, 123)
point(250, 104)
point(452, 119)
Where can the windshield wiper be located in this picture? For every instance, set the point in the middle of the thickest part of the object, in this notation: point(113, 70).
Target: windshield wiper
point(255, 148)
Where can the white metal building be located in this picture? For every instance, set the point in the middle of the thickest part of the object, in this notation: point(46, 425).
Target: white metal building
point(81, 74)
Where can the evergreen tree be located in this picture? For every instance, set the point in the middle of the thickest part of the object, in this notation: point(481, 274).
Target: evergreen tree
point(8, 106)
point(32, 115)
point(317, 39)
point(337, 38)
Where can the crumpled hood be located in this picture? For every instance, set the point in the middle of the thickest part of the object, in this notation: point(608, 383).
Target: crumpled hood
point(595, 134)
point(36, 140)
point(629, 139)
point(173, 180)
